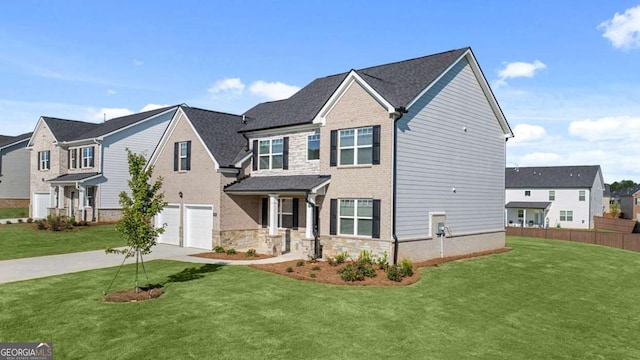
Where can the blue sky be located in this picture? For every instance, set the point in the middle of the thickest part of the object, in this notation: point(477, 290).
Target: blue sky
point(566, 73)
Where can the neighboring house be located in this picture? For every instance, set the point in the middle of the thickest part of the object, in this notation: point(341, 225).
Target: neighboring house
point(628, 202)
point(199, 154)
point(553, 196)
point(78, 168)
point(378, 159)
point(636, 205)
point(14, 171)
point(607, 199)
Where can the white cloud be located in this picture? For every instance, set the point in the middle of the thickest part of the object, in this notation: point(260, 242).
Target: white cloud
point(518, 69)
point(111, 92)
point(623, 30)
point(138, 62)
point(152, 107)
point(108, 113)
point(229, 86)
point(273, 90)
point(624, 128)
point(525, 133)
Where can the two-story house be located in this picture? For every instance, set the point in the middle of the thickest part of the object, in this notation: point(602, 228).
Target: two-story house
point(553, 196)
point(79, 168)
point(14, 171)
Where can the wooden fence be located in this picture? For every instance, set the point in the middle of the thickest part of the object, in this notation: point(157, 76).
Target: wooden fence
point(617, 240)
point(619, 225)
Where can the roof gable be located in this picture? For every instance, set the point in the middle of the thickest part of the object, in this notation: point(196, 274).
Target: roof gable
point(6, 141)
point(550, 177)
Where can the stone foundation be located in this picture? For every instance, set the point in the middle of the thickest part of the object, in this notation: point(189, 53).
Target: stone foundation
point(425, 249)
point(333, 245)
point(259, 239)
point(108, 215)
point(14, 203)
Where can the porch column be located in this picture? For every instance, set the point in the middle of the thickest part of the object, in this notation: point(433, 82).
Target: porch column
point(311, 200)
point(524, 222)
point(273, 214)
point(81, 194)
point(52, 196)
point(60, 197)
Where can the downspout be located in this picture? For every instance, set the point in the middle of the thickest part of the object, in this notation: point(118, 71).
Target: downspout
point(397, 115)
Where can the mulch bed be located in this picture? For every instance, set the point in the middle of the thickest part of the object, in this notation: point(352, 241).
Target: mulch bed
point(237, 256)
point(133, 296)
point(325, 273)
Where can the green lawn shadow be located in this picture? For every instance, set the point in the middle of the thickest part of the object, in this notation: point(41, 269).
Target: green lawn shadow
point(188, 274)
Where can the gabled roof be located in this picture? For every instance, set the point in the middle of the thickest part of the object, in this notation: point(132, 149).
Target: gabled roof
point(398, 83)
point(527, 204)
point(6, 141)
point(551, 177)
point(79, 177)
point(219, 132)
point(291, 183)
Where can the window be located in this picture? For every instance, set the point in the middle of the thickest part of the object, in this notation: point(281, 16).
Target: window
point(285, 213)
point(44, 160)
point(637, 201)
point(183, 156)
point(581, 195)
point(87, 157)
point(356, 146)
point(520, 213)
point(73, 158)
point(552, 195)
point(313, 147)
point(566, 215)
point(527, 193)
point(270, 153)
point(356, 217)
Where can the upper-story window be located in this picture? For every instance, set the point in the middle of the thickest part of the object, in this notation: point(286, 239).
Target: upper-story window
point(552, 195)
point(44, 160)
point(581, 195)
point(87, 157)
point(313, 147)
point(73, 158)
point(182, 156)
point(527, 193)
point(356, 146)
point(270, 153)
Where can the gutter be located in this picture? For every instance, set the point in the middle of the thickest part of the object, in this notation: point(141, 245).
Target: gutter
point(397, 115)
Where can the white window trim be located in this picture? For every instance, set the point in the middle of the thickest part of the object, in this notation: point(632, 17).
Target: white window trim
point(355, 147)
point(270, 154)
point(309, 136)
point(552, 193)
point(582, 195)
point(86, 158)
point(566, 215)
point(182, 156)
point(45, 160)
point(355, 218)
point(281, 212)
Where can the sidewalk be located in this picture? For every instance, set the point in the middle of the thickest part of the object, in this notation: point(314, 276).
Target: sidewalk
point(43, 266)
point(13, 221)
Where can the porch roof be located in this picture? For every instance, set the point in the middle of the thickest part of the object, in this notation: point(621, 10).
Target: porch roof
point(278, 184)
point(67, 178)
point(528, 205)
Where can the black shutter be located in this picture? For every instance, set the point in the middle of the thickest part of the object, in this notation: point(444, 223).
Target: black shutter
point(93, 156)
point(176, 158)
point(333, 158)
point(333, 217)
point(285, 153)
point(265, 212)
point(39, 157)
point(376, 145)
point(188, 155)
point(375, 233)
point(295, 222)
point(255, 155)
point(68, 159)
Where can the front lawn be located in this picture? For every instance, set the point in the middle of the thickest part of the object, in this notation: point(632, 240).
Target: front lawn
point(545, 299)
point(24, 240)
point(13, 213)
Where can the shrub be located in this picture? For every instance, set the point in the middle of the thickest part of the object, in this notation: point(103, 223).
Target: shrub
point(29, 220)
point(312, 275)
point(357, 272)
point(231, 251)
point(42, 225)
point(218, 249)
point(251, 252)
point(382, 261)
point(316, 268)
point(394, 274)
point(406, 267)
point(341, 258)
point(289, 269)
point(8, 222)
point(332, 262)
point(20, 221)
point(365, 257)
point(72, 222)
point(300, 263)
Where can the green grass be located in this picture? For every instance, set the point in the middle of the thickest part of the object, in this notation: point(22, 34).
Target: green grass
point(14, 213)
point(24, 240)
point(543, 300)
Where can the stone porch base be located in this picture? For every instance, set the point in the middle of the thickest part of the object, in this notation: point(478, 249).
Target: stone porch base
point(14, 203)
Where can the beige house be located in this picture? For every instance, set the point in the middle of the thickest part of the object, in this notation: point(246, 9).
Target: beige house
point(405, 158)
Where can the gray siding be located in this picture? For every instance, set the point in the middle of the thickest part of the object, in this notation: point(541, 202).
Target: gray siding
point(435, 155)
point(596, 195)
point(141, 138)
point(15, 172)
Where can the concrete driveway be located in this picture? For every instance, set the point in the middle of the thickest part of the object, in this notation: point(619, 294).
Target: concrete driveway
point(43, 266)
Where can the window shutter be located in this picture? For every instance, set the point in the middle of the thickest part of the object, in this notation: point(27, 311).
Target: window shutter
point(333, 158)
point(375, 233)
point(176, 153)
point(285, 154)
point(93, 157)
point(69, 159)
point(296, 204)
point(265, 212)
point(39, 157)
point(255, 155)
point(333, 221)
point(189, 155)
point(376, 145)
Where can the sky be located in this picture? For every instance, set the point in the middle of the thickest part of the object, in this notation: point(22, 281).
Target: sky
point(565, 73)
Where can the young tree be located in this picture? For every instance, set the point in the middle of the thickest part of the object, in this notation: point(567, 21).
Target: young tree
point(138, 210)
point(614, 210)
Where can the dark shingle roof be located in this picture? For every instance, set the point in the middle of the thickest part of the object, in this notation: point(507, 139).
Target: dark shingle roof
point(551, 177)
point(398, 83)
point(73, 177)
point(8, 140)
point(219, 131)
point(527, 205)
point(71, 130)
point(293, 183)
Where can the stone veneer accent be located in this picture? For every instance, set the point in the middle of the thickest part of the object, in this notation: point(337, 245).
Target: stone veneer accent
point(14, 203)
point(262, 242)
point(425, 249)
point(298, 163)
point(333, 245)
point(108, 215)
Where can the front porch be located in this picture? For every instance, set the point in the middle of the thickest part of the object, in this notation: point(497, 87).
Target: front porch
point(73, 195)
point(527, 214)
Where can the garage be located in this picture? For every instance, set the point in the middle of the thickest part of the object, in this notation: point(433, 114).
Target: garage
point(40, 205)
point(170, 215)
point(198, 224)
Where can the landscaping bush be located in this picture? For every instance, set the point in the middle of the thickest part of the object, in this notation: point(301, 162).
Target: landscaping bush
point(312, 275)
point(357, 271)
point(289, 269)
point(382, 261)
point(8, 222)
point(341, 257)
point(59, 223)
point(29, 220)
point(406, 267)
point(20, 221)
point(366, 257)
point(316, 268)
point(231, 251)
point(218, 249)
point(394, 273)
point(251, 252)
point(300, 263)
point(42, 225)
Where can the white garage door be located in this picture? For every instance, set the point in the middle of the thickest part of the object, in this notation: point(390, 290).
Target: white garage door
point(170, 215)
point(40, 205)
point(198, 223)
